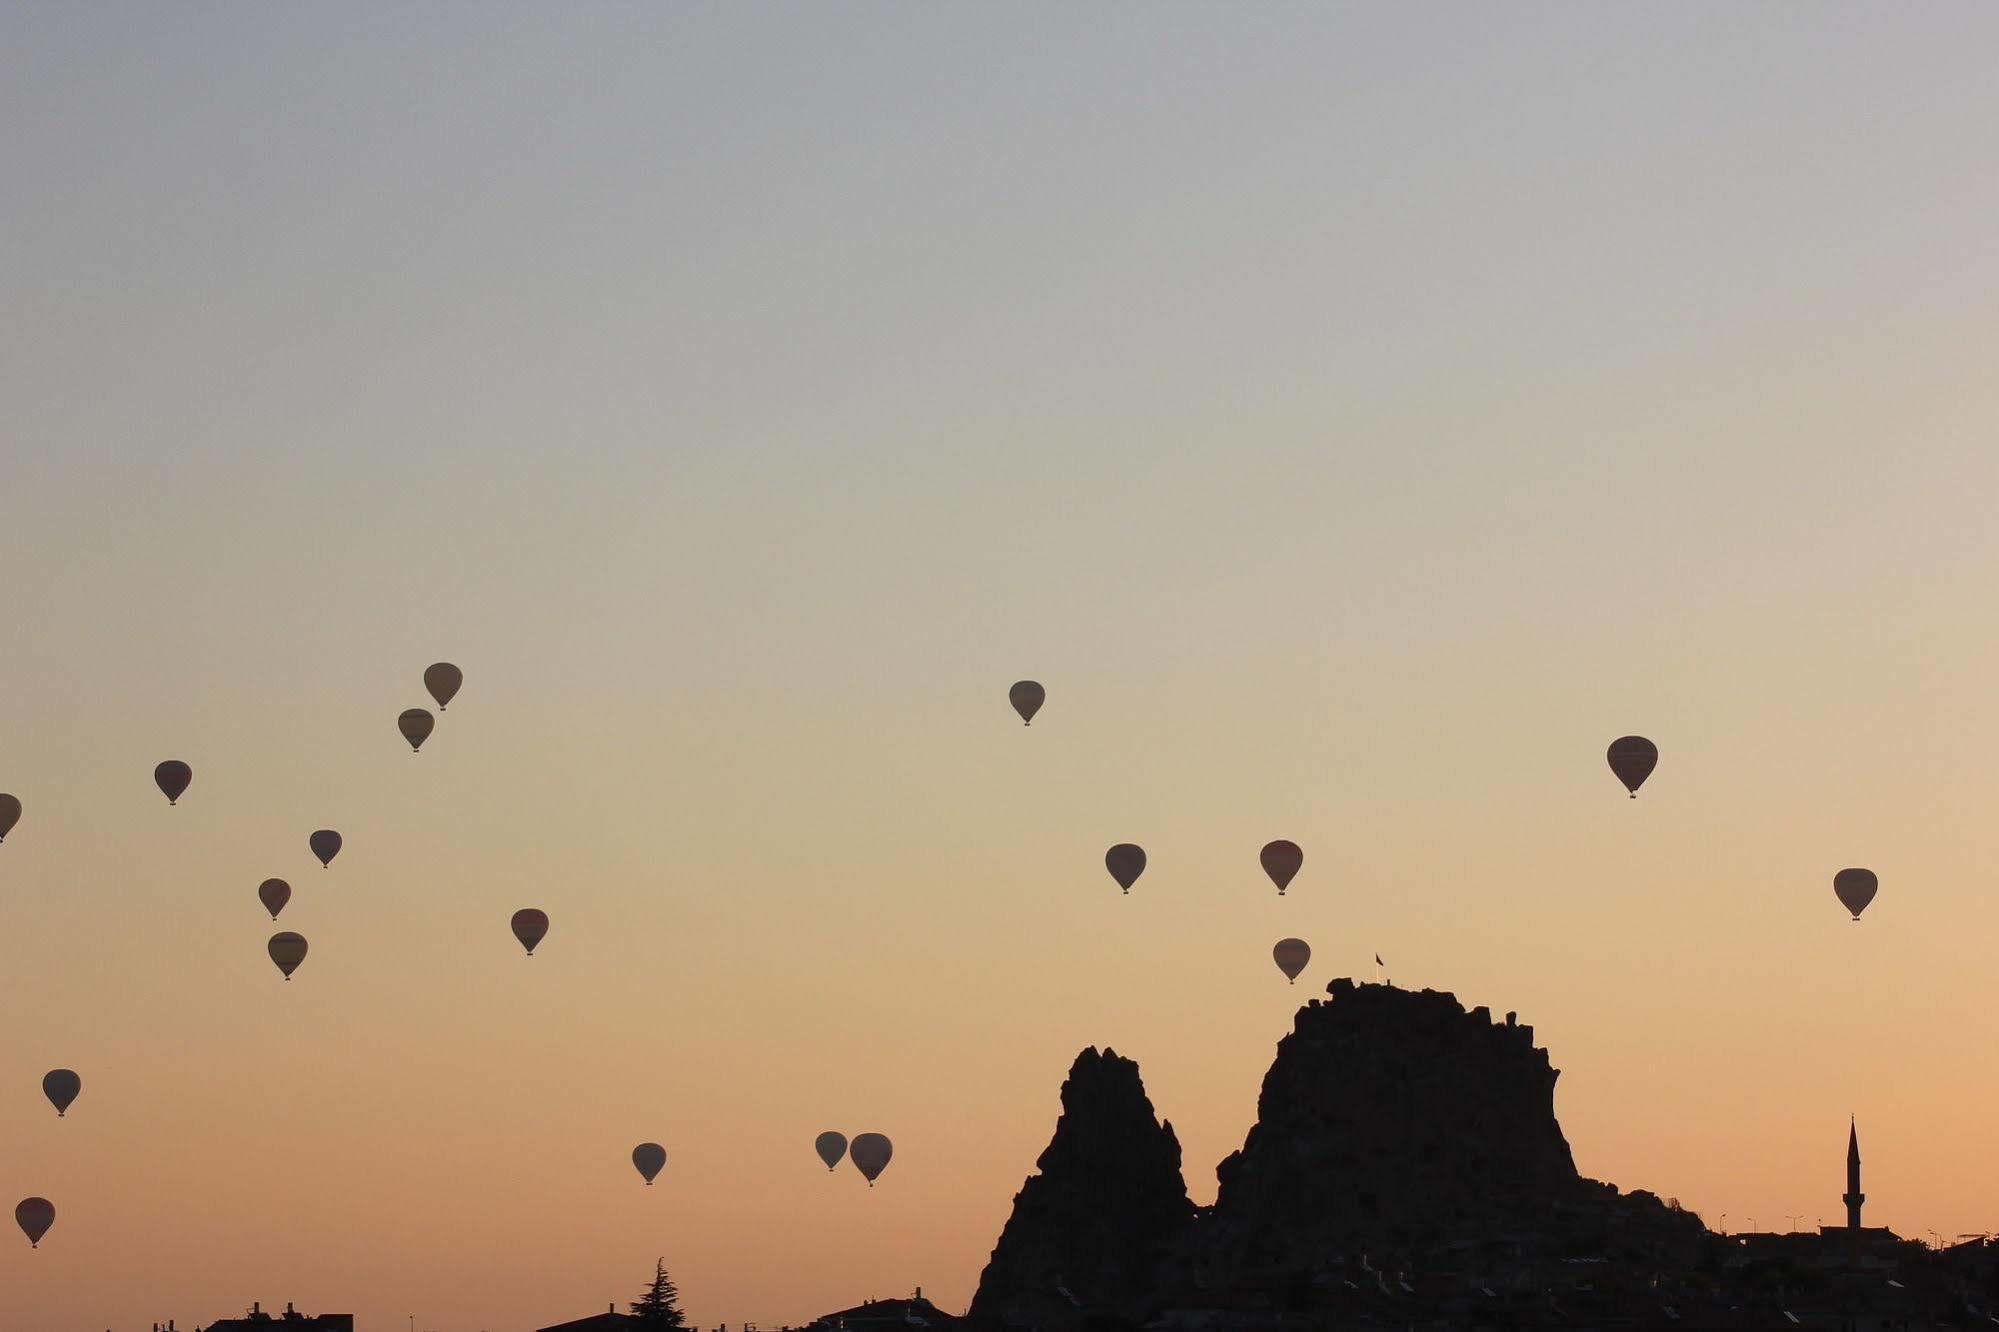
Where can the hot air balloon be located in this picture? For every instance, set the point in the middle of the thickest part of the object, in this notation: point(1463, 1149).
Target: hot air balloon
point(34, 1216)
point(1281, 861)
point(325, 844)
point(650, 1158)
point(1855, 888)
point(1027, 696)
point(870, 1153)
point(274, 893)
point(1126, 862)
point(831, 1147)
point(1292, 955)
point(287, 950)
point(442, 679)
point(172, 778)
point(1632, 758)
point(415, 724)
point(529, 927)
point(10, 814)
point(61, 1086)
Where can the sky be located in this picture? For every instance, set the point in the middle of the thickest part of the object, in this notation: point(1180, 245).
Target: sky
point(1355, 415)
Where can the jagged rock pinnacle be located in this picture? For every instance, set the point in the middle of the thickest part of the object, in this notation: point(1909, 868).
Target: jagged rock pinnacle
point(1089, 1232)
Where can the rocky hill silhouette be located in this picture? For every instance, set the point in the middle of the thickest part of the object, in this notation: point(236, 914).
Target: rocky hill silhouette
point(1090, 1232)
point(1394, 1129)
point(1395, 1123)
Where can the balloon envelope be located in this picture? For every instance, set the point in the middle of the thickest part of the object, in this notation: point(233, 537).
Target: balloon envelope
point(61, 1086)
point(831, 1147)
point(415, 724)
point(10, 814)
point(870, 1153)
point(325, 844)
point(1027, 696)
point(650, 1158)
point(1292, 955)
point(34, 1216)
point(530, 926)
point(1281, 860)
point(287, 950)
point(442, 679)
point(172, 778)
point(1632, 758)
point(274, 893)
point(1855, 888)
point(1125, 861)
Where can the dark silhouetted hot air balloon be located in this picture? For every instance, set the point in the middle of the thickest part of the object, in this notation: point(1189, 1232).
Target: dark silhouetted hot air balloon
point(415, 724)
point(1281, 860)
point(530, 926)
point(325, 844)
point(1027, 696)
point(274, 893)
point(10, 814)
point(61, 1086)
point(870, 1153)
point(1855, 888)
point(650, 1158)
point(172, 778)
point(1292, 955)
point(831, 1147)
point(34, 1216)
point(1126, 862)
point(1632, 758)
point(287, 950)
point(442, 679)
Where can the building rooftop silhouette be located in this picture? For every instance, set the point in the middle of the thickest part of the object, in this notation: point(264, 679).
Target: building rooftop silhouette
point(259, 1321)
point(603, 1322)
point(912, 1312)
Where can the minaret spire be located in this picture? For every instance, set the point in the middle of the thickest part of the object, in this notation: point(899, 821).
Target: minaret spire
point(1854, 1197)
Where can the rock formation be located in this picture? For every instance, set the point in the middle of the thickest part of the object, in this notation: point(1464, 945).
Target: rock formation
point(1391, 1116)
point(1395, 1123)
point(1088, 1233)
point(1399, 1138)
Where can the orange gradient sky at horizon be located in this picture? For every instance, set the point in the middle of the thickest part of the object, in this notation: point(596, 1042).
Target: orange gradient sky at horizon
point(1356, 419)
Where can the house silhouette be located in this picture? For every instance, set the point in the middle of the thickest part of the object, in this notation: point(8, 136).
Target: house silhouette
point(611, 1321)
point(291, 1320)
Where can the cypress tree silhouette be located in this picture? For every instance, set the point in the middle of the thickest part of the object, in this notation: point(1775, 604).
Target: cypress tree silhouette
point(660, 1305)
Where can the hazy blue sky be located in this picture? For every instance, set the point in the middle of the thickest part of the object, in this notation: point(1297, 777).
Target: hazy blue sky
point(1356, 415)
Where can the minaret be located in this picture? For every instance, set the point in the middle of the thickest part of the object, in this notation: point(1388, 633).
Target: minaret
point(1854, 1197)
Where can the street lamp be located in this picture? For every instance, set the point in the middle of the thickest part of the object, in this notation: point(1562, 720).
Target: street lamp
point(1724, 1223)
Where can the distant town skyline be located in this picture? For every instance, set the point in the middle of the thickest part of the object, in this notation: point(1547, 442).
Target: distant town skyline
point(1355, 417)
point(1103, 1233)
